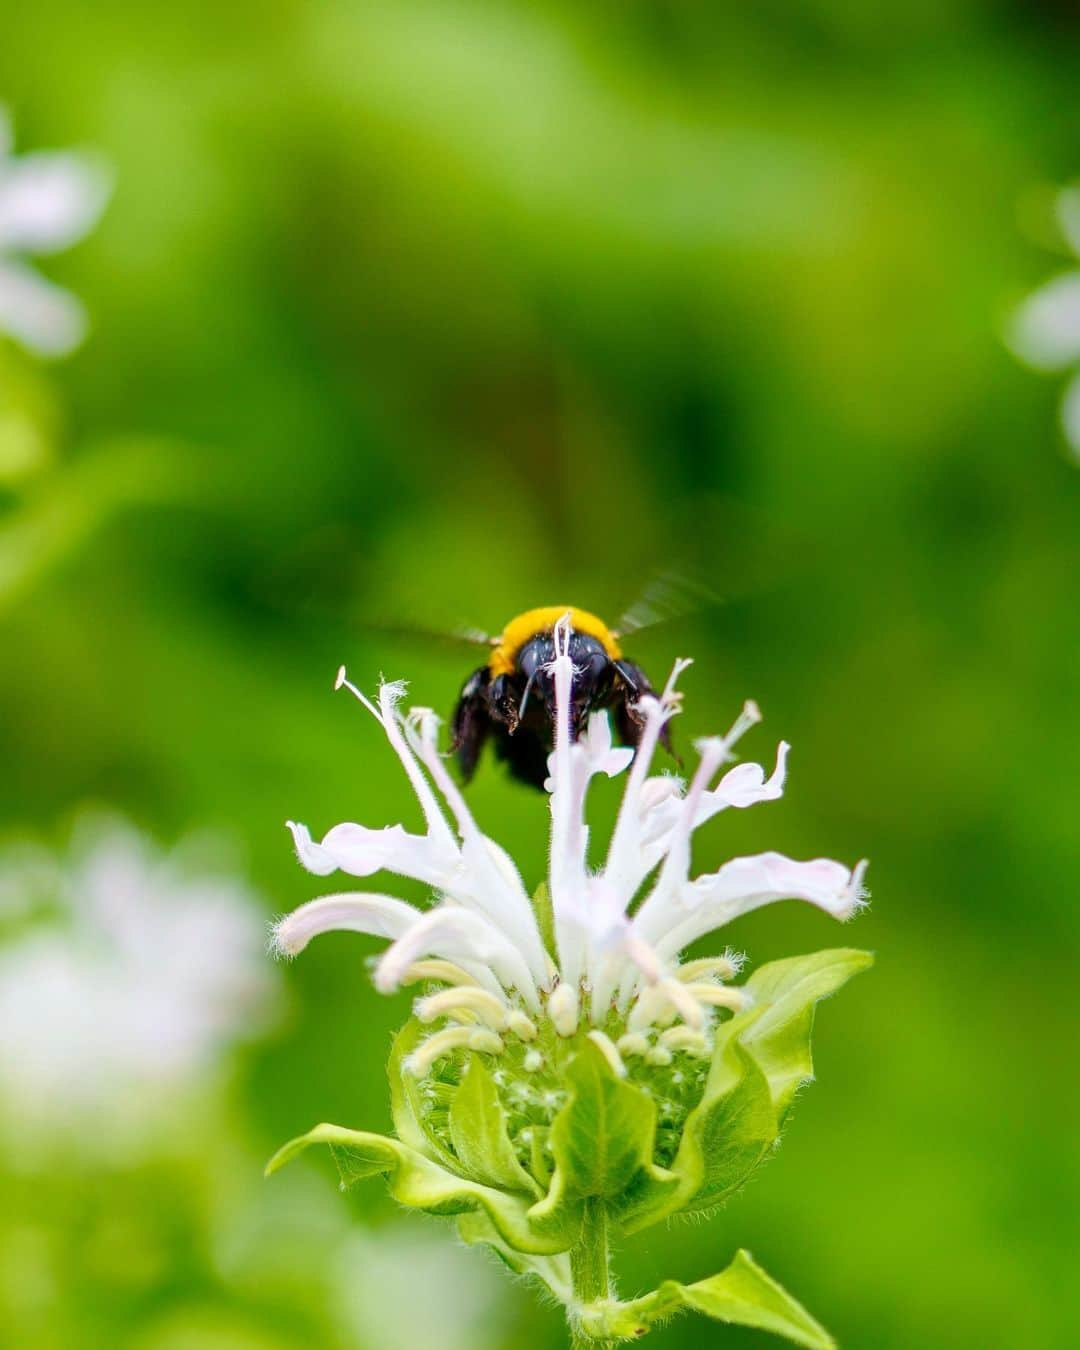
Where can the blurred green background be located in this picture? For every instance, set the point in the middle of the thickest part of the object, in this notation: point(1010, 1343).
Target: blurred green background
point(426, 311)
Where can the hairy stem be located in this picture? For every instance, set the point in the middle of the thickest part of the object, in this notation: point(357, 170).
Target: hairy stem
point(590, 1267)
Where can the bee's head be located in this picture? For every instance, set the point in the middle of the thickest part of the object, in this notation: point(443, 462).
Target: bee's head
point(591, 670)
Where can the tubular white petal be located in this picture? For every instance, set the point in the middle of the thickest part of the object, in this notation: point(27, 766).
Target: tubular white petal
point(685, 1039)
point(623, 868)
point(390, 695)
point(379, 915)
point(497, 888)
point(745, 884)
point(717, 967)
point(446, 1041)
point(361, 851)
point(606, 1046)
point(457, 934)
point(566, 870)
point(491, 1010)
point(445, 972)
point(563, 1008)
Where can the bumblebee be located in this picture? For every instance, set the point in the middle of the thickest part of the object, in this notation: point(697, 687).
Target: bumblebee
point(510, 700)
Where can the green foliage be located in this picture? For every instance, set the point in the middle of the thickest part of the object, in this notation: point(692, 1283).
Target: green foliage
point(419, 1183)
point(743, 1295)
point(478, 1130)
point(603, 1145)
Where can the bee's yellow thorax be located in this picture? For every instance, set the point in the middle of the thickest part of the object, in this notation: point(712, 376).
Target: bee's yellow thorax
point(525, 626)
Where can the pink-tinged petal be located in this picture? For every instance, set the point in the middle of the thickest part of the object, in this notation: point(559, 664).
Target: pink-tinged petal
point(48, 201)
point(379, 915)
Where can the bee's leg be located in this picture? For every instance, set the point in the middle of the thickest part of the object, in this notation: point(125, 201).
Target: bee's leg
point(504, 702)
point(632, 685)
point(471, 722)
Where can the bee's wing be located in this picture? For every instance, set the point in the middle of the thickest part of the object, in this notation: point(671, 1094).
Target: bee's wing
point(670, 595)
point(457, 637)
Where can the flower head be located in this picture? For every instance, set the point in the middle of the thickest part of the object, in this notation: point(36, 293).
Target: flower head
point(48, 201)
point(565, 1067)
point(612, 961)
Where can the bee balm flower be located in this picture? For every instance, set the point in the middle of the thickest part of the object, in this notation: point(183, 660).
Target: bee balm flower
point(545, 1020)
point(48, 201)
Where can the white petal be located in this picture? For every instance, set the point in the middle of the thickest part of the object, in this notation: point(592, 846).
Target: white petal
point(601, 755)
point(457, 934)
point(742, 885)
point(360, 852)
point(48, 201)
point(44, 317)
point(744, 785)
point(379, 915)
point(1045, 330)
point(1070, 415)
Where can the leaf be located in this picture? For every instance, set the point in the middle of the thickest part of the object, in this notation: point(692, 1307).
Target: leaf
point(743, 1295)
point(602, 1141)
point(730, 1131)
point(553, 1271)
point(404, 1100)
point(419, 1183)
point(785, 994)
point(480, 1137)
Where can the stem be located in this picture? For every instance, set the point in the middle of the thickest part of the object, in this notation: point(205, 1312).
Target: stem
point(590, 1267)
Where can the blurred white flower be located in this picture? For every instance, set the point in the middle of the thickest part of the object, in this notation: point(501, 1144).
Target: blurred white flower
point(48, 201)
point(403, 1286)
point(1045, 330)
point(126, 977)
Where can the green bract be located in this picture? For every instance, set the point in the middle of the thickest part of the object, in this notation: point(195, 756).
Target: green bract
point(524, 1162)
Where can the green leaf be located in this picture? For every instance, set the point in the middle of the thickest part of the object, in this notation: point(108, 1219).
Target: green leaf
point(480, 1137)
point(730, 1131)
point(602, 1141)
point(419, 1183)
point(785, 994)
point(404, 1099)
point(742, 1295)
point(553, 1271)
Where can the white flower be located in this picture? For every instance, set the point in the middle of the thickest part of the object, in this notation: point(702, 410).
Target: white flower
point(48, 201)
point(615, 961)
point(128, 977)
point(1045, 330)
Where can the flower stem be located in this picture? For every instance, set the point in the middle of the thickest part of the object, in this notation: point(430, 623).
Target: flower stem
point(590, 1267)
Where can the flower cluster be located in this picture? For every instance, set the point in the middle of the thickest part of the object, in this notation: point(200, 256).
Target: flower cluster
point(564, 1066)
point(127, 975)
point(1045, 330)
